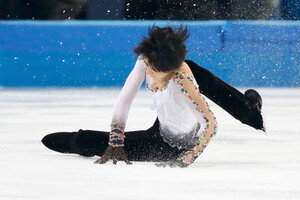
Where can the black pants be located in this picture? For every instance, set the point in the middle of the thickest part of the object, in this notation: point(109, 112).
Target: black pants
point(143, 145)
point(148, 145)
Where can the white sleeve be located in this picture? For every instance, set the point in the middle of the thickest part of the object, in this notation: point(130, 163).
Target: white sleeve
point(128, 92)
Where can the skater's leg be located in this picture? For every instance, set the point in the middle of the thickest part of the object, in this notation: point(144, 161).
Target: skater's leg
point(245, 108)
point(143, 145)
point(83, 142)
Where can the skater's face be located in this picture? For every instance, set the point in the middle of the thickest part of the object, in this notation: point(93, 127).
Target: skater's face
point(150, 69)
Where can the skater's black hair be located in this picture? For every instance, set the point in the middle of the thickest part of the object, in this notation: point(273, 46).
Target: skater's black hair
point(164, 47)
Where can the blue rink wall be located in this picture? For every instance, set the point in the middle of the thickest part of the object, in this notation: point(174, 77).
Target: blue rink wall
point(99, 53)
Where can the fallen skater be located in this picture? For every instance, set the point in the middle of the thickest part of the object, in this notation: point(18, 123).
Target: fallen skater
point(185, 124)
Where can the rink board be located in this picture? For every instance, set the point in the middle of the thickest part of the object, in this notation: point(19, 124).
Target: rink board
point(99, 53)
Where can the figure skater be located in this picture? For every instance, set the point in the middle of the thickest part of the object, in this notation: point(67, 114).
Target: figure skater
point(185, 124)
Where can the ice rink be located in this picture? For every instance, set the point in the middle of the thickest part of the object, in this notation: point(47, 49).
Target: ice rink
point(240, 163)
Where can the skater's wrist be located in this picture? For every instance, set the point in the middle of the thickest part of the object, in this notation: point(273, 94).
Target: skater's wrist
point(188, 157)
point(116, 135)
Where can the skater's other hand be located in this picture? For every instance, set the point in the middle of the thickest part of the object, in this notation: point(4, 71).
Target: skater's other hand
point(114, 153)
point(172, 164)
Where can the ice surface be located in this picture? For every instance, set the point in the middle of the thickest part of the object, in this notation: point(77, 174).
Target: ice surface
point(240, 163)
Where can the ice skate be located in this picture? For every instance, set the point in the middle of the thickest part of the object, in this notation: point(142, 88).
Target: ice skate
point(254, 97)
point(72, 142)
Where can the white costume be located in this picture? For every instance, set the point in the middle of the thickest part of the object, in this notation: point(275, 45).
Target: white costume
point(183, 114)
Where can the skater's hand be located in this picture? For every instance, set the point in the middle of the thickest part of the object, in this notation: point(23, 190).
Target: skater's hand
point(172, 164)
point(115, 149)
point(114, 153)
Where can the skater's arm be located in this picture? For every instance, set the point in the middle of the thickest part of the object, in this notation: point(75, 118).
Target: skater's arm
point(128, 92)
point(133, 82)
point(188, 87)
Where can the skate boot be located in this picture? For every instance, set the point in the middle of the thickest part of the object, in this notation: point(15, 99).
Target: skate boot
point(81, 142)
point(254, 98)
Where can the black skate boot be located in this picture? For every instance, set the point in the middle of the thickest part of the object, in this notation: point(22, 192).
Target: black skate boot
point(254, 98)
point(84, 143)
point(255, 103)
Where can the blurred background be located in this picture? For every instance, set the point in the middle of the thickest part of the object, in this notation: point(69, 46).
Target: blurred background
point(83, 42)
point(150, 9)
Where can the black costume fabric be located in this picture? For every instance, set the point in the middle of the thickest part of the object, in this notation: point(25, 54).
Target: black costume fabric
point(230, 99)
point(148, 145)
point(143, 145)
